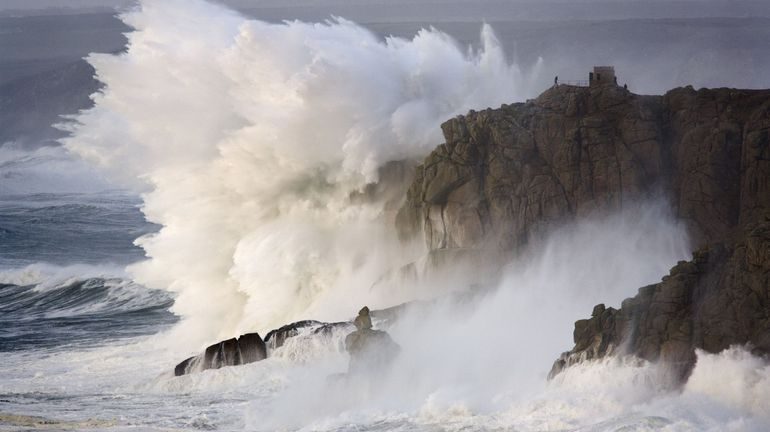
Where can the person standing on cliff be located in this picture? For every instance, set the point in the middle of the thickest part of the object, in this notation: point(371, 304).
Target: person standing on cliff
point(556, 81)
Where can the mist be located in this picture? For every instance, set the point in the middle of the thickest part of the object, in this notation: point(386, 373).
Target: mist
point(465, 360)
point(258, 135)
point(654, 47)
point(251, 150)
point(271, 144)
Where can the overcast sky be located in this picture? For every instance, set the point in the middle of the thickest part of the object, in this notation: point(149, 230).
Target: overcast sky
point(435, 11)
point(440, 11)
point(39, 4)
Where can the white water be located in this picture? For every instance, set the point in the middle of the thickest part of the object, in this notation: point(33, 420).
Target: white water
point(247, 139)
point(464, 365)
point(46, 276)
point(250, 137)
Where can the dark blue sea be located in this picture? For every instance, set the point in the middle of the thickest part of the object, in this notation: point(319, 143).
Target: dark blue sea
point(62, 272)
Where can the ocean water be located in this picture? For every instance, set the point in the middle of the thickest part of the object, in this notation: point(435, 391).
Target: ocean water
point(251, 143)
point(86, 348)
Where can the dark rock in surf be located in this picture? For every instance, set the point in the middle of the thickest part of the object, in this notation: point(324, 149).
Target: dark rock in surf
point(251, 348)
point(185, 367)
point(248, 348)
point(276, 338)
point(328, 328)
point(224, 353)
point(370, 350)
point(363, 320)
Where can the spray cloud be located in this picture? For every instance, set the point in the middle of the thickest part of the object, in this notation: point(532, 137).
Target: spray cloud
point(250, 137)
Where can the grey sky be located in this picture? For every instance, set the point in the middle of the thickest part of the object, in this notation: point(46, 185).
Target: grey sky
point(474, 9)
point(42, 4)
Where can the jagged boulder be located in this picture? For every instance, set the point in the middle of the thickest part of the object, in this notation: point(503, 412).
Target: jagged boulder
point(248, 348)
point(326, 329)
point(276, 338)
point(363, 320)
point(370, 350)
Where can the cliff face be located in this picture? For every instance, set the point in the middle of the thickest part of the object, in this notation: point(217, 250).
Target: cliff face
point(504, 177)
point(720, 298)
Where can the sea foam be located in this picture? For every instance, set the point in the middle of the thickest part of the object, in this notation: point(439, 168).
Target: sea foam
point(248, 139)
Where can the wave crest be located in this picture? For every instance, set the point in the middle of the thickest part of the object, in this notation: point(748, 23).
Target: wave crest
point(254, 136)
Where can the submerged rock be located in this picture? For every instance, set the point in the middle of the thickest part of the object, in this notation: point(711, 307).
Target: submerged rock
point(248, 348)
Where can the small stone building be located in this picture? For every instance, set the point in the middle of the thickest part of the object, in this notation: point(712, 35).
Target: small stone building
point(602, 75)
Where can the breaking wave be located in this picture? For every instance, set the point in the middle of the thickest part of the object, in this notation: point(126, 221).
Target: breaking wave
point(252, 140)
point(44, 306)
point(254, 145)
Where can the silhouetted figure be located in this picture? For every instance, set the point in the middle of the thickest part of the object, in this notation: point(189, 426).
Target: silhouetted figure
point(556, 80)
point(625, 86)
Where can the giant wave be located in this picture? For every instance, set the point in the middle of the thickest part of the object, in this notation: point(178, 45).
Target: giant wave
point(254, 146)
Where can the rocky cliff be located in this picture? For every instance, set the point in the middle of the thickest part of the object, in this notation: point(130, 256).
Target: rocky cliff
point(719, 298)
point(505, 176)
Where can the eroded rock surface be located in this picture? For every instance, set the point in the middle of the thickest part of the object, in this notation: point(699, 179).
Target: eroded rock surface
point(370, 350)
point(247, 348)
point(505, 177)
point(250, 347)
point(276, 338)
point(719, 298)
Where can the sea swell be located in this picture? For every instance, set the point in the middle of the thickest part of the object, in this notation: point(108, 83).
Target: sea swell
point(70, 229)
point(79, 310)
point(255, 141)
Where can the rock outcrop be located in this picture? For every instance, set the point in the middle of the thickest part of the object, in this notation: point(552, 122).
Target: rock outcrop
point(719, 298)
point(505, 177)
point(276, 338)
point(370, 350)
point(248, 348)
point(363, 320)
